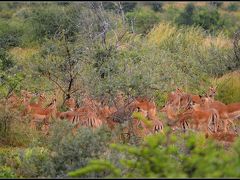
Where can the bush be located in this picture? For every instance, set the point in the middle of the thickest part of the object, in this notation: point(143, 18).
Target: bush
point(156, 6)
point(232, 7)
point(162, 156)
point(35, 162)
point(143, 21)
point(71, 151)
point(208, 18)
point(50, 21)
point(186, 17)
point(10, 34)
point(6, 172)
point(14, 131)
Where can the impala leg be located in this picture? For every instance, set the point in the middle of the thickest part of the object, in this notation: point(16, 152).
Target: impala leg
point(233, 124)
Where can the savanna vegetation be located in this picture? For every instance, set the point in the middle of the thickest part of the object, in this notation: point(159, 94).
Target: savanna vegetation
point(89, 89)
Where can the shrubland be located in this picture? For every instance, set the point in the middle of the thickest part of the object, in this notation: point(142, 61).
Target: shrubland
point(142, 49)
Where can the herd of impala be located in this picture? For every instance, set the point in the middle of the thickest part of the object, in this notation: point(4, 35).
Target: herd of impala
point(182, 111)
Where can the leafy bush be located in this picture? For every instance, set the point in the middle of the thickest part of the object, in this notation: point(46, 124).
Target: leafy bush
point(232, 7)
point(71, 151)
point(10, 34)
point(208, 18)
point(186, 17)
point(48, 22)
point(142, 21)
point(35, 162)
point(156, 6)
point(162, 156)
point(6, 172)
point(13, 130)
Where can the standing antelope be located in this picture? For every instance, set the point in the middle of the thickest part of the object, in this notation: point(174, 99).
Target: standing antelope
point(43, 114)
point(222, 110)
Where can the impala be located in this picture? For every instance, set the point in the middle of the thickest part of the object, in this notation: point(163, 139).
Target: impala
point(222, 110)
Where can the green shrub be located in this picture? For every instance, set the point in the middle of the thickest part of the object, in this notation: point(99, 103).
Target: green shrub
point(208, 18)
point(142, 20)
point(73, 151)
point(161, 156)
point(35, 162)
point(232, 7)
point(10, 34)
point(48, 21)
point(14, 130)
point(6, 172)
point(186, 17)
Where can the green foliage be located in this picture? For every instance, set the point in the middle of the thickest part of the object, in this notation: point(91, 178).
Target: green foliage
point(48, 22)
point(14, 131)
point(162, 156)
point(73, 151)
point(142, 21)
point(186, 17)
point(35, 162)
point(208, 18)
point(10, 34)
point(10, 77)
point(232, 7)
point(6, 172)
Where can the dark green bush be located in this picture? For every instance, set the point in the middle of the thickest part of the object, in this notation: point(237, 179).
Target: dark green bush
point(232, 7)
point(208, 18)
point(10, 34)
point(186, 17)
point(50, 21)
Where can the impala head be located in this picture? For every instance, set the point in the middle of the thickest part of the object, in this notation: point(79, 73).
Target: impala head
point(212, 92)
point(205, 100)
point(70, 103)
